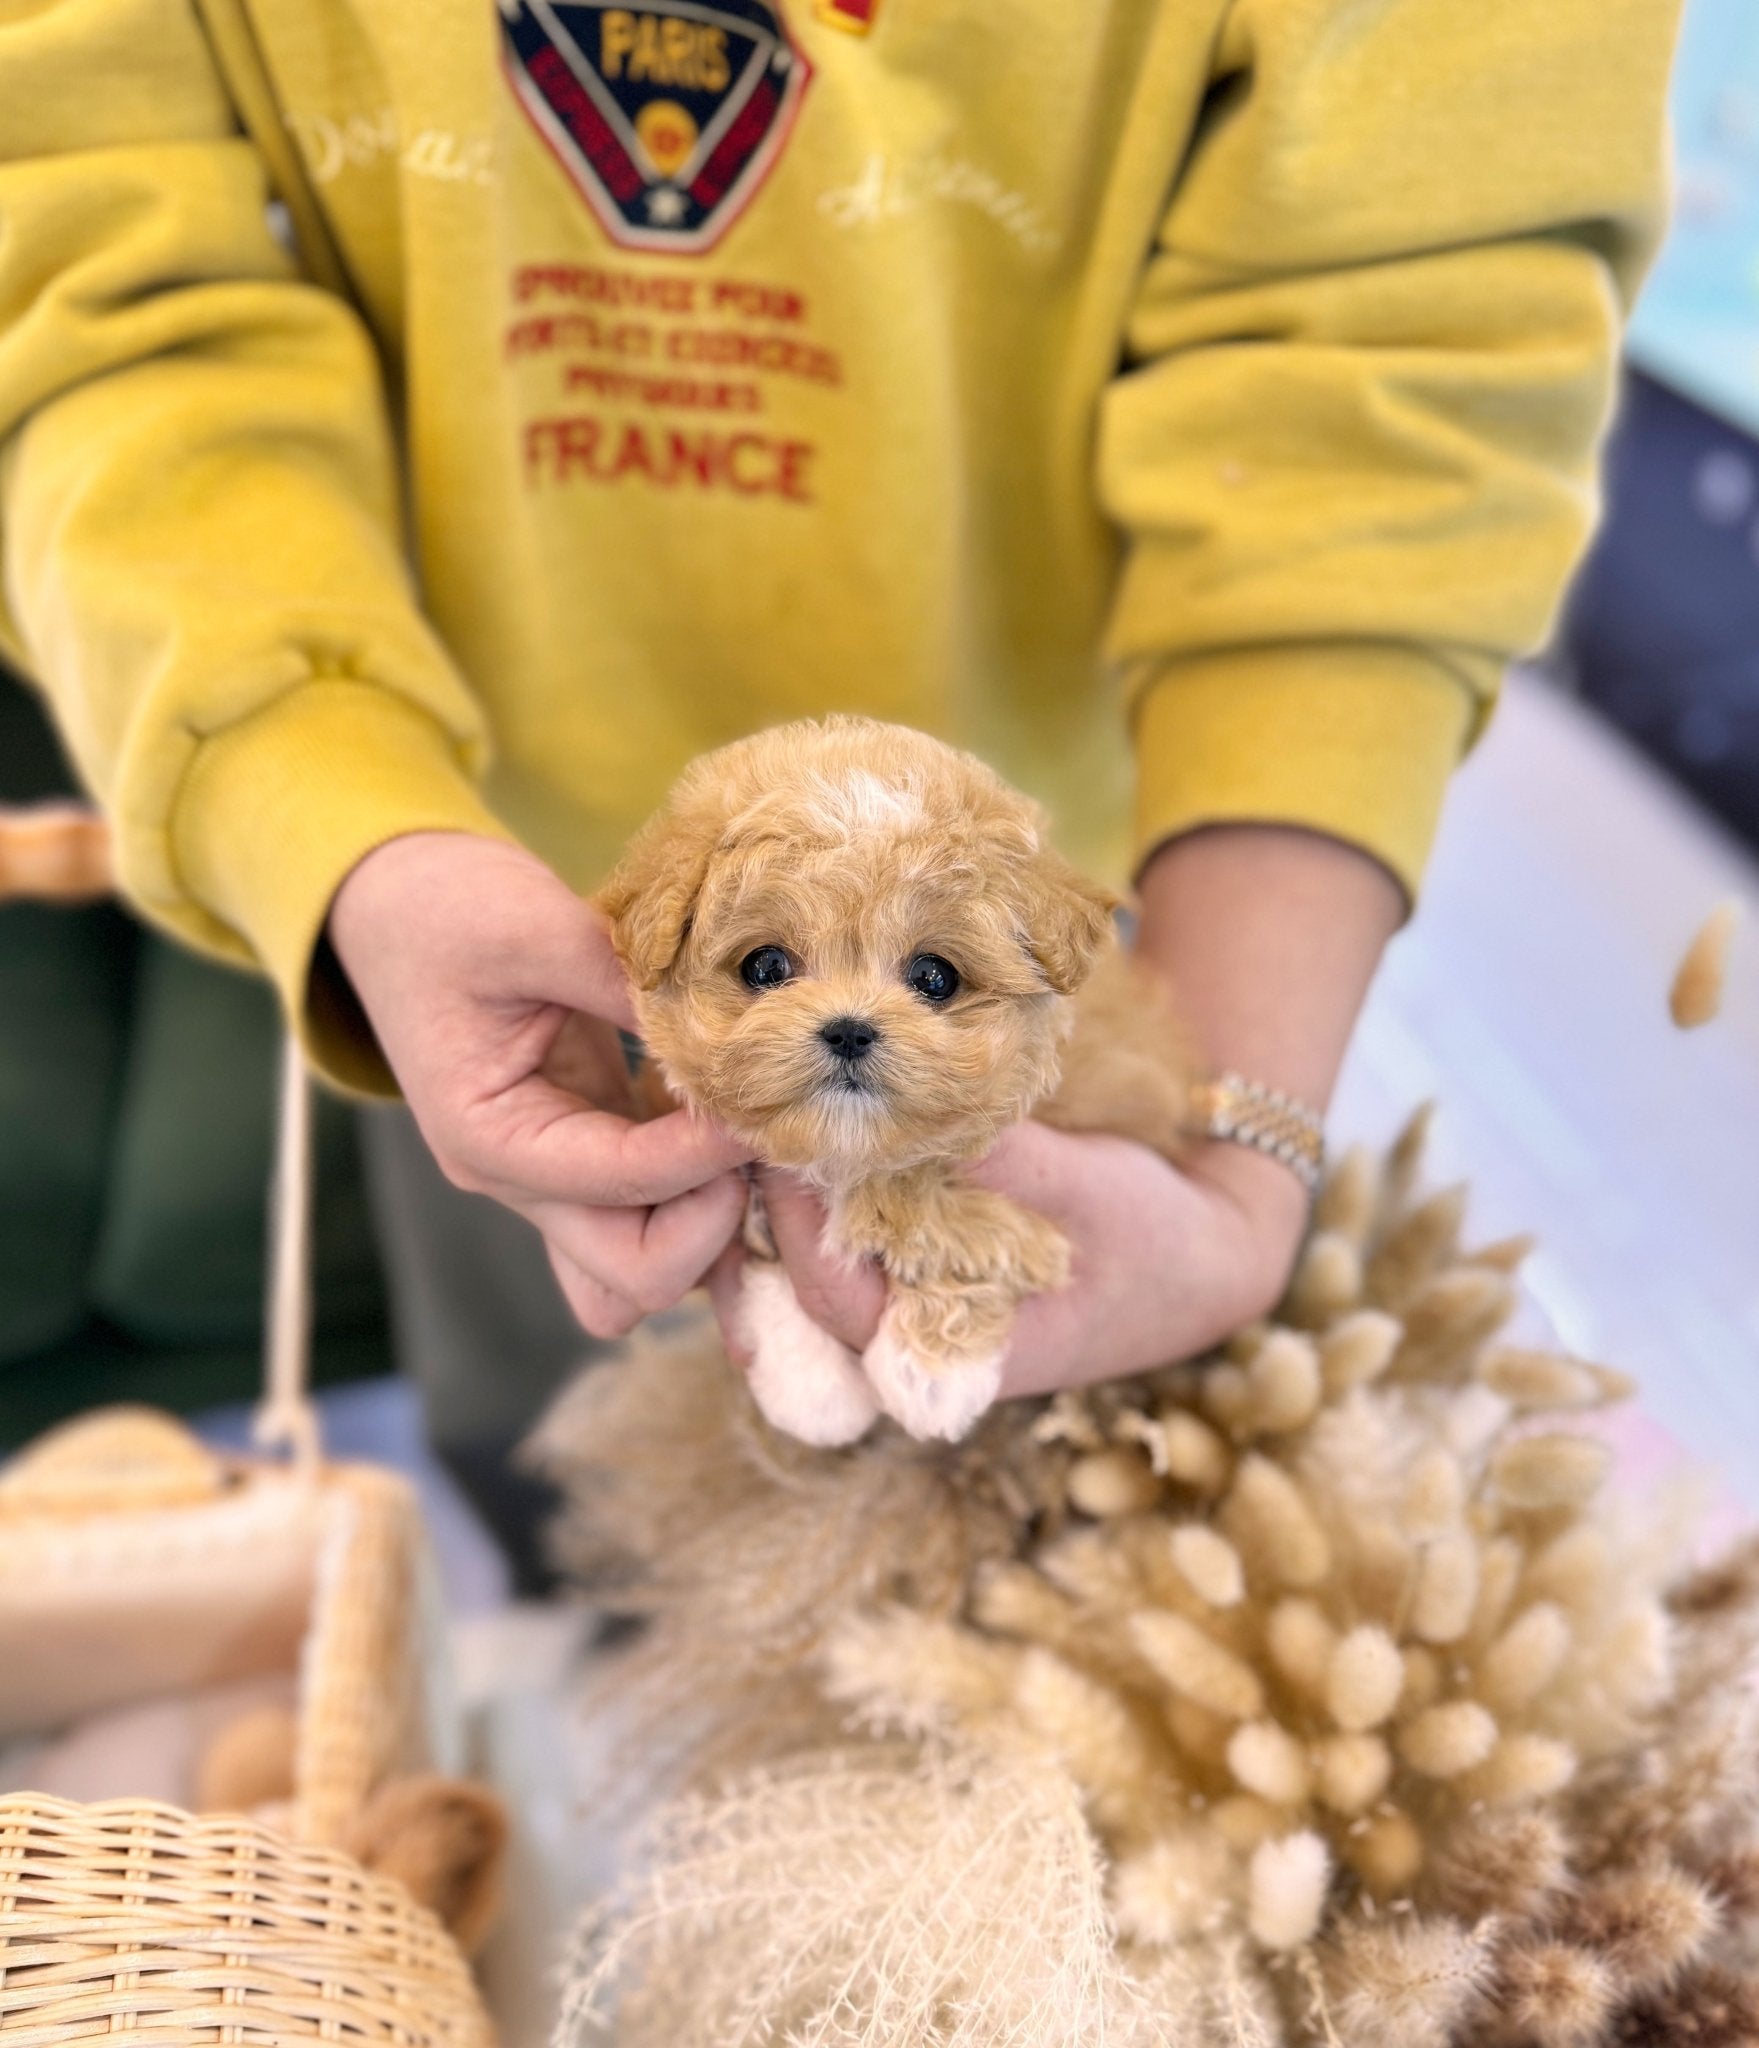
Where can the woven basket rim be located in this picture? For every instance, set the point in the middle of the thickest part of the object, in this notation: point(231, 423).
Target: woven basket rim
point(133, 1917)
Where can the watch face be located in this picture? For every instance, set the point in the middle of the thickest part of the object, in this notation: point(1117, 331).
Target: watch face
point(667, 116)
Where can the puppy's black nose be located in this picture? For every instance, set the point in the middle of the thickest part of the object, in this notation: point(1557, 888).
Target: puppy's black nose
point(850, 1038)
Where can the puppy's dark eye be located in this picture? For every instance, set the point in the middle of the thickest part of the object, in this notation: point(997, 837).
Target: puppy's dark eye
point(767, 967)
point(931, 976)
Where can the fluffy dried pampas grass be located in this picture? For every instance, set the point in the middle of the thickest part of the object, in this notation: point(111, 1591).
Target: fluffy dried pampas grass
point(1311, 1693)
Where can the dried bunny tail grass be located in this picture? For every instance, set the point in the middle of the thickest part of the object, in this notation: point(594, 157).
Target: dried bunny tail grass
point(1403, 1164)
point(1708, 2008)
point(1014, 1600)
point(1688, 1793)
point(1541, 1380)
point(1209, 1564)
point(1696, 994)
point(917, 1674)
point(1192, 1453)
point(1358, 1349)
point(1226, 1395)
point(1328, 1280)
point(1689, 1786)
point(1386, 1852)
point(1448, 1740)
point(1510, 1864)
point(1096, 1572)
point(1106, 1746)
point(1283, 1383)
point(1506, 1254)
point(1452, 1318)
point(1188, 1883)
point(1267, 1760)
point(1363, 1679)
point(1645, 1925)
point(945, 1900)
point(1352, 1772)
point(1347, 1204)
point(1120, 1480)
point(1197, 1668)
point(1553, 1995)
point(1715, 1610)
point(1069, 1420)
point(1412, 1982)
point(1521, 1770)
point(1556, 1470)
point(1287, 1883)
point(1731, 1876)
point(1524, 1658)
point(1271, 1524)
point(1423, 1239)
point(1434, 1499)
point(1502, 1578)
point(1446, 1596)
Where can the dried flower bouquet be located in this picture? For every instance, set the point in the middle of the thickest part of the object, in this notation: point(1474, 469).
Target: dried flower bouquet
point(1313, 1693)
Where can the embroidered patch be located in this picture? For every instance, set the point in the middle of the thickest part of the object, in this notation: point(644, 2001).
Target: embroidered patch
point(668, 115)
point(854, 15)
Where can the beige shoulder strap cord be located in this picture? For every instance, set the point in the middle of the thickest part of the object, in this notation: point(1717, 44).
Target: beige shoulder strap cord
point(286, 1420)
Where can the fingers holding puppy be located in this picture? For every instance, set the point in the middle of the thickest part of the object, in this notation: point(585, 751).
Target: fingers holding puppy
point(600, 1311)
point(725, 1281)
point(615, 1266)
point(536, 1142)
point(845, 1296)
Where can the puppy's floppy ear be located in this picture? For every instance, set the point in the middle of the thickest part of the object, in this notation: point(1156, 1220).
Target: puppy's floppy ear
point(653, 890)
point(1066, 920)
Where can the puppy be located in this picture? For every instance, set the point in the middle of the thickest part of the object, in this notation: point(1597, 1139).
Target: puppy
point(851, 946)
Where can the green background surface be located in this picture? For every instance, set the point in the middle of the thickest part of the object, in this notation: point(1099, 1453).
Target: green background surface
point(136, 1135)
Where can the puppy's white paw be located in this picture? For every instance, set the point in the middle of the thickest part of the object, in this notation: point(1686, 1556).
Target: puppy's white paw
point(805, 1382)
point(929, 1398)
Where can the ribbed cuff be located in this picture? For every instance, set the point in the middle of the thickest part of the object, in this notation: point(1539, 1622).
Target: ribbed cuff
point(1355, 741)
point(274, 811)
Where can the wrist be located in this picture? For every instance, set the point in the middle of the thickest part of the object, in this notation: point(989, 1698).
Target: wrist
point(1259, 1187)
point(1268, 1205)
point(378, 888)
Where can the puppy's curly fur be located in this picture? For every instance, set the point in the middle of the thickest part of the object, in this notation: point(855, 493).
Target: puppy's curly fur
point(839, 855)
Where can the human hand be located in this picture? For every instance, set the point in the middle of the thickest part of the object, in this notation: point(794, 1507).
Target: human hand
point(477, 968)
point(1167, 1260)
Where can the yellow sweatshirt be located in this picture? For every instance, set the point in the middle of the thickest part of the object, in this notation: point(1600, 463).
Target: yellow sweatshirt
point(1221, 374)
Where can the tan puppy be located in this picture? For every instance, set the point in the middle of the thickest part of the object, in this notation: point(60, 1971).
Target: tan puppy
point(850, 945)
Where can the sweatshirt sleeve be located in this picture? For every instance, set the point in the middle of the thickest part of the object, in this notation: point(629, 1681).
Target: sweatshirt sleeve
point(1352, 444)
point(203, 565)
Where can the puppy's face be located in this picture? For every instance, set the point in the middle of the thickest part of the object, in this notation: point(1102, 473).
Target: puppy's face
point(850, 947)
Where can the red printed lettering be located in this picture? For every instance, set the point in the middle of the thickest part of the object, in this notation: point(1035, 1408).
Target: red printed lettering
point(586, 449)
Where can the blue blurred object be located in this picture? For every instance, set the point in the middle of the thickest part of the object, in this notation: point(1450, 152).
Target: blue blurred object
point(1696, 327)
point(1662, 631)
point(1662, 627)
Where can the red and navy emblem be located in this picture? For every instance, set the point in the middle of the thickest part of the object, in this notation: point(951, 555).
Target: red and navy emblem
point(668, 115)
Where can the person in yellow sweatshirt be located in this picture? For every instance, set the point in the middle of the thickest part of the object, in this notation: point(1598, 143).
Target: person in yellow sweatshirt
point(1190, 405)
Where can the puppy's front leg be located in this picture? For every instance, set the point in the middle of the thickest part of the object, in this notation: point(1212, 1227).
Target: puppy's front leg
point(959, 1260)
point(803, 1380)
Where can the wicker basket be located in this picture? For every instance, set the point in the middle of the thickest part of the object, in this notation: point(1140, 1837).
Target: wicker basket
point(140, 1924)
point(134, 1565)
